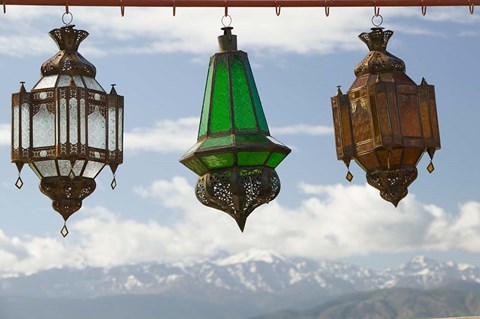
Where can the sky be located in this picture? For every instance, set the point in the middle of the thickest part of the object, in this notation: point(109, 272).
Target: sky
point(159, 63)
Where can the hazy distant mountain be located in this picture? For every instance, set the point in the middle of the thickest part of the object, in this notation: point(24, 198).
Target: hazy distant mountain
point(396, 303)
point(236, 286)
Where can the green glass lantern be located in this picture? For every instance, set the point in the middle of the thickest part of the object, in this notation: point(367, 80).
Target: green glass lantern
point(235, 156)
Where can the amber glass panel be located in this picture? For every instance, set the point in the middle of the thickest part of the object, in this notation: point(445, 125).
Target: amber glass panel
point(251, 158)
point(206, 102)
point(262, 121)
point(217, 141)
point(275, 159)
point(218, 160)
point(242, 102)
point(220, 113)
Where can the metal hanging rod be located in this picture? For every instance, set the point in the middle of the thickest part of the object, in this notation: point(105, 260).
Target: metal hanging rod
point(243, 3)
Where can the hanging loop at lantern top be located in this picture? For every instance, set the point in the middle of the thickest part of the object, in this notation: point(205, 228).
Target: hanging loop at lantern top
point(67, 18)
point(226, 21)
point(377, 20)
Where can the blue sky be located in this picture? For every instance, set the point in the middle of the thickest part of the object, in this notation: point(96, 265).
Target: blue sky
point(159, 63)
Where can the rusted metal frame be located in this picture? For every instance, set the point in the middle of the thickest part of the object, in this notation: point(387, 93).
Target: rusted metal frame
point(244, 3)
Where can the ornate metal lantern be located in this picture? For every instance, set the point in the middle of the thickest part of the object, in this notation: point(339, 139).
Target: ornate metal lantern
point(385, 122)
point(67, 128)
point(235, 156)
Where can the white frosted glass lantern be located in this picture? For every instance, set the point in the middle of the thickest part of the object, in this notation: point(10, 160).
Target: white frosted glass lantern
point(67, 128)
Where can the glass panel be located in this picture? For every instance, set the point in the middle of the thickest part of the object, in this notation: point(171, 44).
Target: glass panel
point(83, 129)
point(262, 121)
point(35, 170)
point(242, 101)
point(206, 102)
point(218, 161)
point(252, 158)
point(196, 166)
point(96, 129)
point(92, 169)
point(216, 142)
point(78, 81)
point(46, 82)
point(64, 80)
point(220, 117)
point(25, 125)
point(77, 168)
point(15, 126)
point(73, 120)
point(120, 128)
point(47, 168)
point(112, 129)
point(64, 167)
point(249, 139)
point(92, 84)
point(275, 159)
point(43, 127)
point(63, 121)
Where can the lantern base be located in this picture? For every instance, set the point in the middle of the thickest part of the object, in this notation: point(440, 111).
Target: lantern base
point(393, 183)
point(67, 193)
point(238, 191)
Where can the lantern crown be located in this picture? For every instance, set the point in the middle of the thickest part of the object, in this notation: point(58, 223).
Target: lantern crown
point(68, 61)
point(379, 60)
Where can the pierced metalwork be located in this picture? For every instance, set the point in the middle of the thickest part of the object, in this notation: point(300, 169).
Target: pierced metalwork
point(385, 122)
point(235, 156)
point(67, 129)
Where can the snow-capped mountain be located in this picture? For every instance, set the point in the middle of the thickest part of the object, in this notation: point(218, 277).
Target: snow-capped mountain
point(253, 272)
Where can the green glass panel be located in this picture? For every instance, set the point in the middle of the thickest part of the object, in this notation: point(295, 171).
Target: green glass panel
point(218, 160)
point(275, 159)
point(206, 102)
point(249, 139)
point(196, 166)
point(262, 121)
point(242, 102)
point(252, 158)
point(220, 113)
point(212, 142)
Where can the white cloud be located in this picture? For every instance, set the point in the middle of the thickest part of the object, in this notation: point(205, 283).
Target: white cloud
point(5, 135)
point(324, 225)
point(193, 30)
point(302, 129)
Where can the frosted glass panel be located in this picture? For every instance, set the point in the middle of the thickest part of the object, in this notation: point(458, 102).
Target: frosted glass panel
point(35, 170)
point(25, 125)
point(78, 81)
point(73, 120)
point(64, 167)
point(43, 127)
point(92, 84)
point(64, 80)
point(96, 129)
point(120, 128)
point(92, 169)
point(63, 121)
point(16, 133)
point(77, 168)
point(112, 129)
point(47, 168)
point(83, 129)
point(46, 82)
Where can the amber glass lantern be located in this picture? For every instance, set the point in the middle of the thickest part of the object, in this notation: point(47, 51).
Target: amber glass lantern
point(67, 128)
point(385, 122)
point(235, 156)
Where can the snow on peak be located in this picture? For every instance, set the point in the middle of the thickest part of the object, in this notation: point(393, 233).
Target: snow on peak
point(254, 254)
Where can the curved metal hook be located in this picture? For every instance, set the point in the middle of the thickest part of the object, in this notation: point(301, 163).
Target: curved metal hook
point(122, 8)
point(327, 8)
point(278, 8)
point(66, 7)
point(471, 6)
point(376, 10)
point(226, 9)
point(424, 9)
point(174, 7)
point(4, 7)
